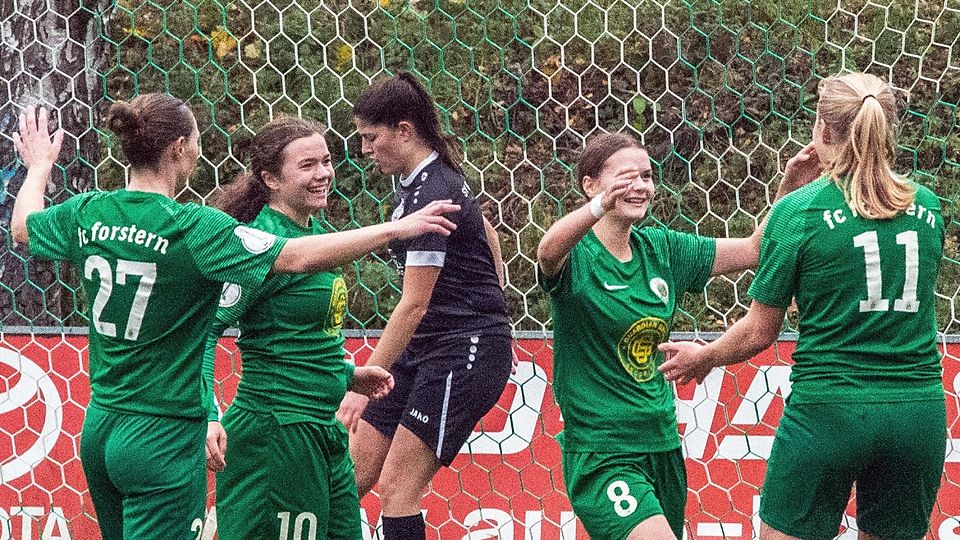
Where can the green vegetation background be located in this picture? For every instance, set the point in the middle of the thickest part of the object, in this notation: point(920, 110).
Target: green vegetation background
point(722, 92)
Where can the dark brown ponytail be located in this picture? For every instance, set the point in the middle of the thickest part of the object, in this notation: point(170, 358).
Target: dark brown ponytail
point(402, 98)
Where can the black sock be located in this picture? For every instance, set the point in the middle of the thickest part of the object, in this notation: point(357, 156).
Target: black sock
point(404, 528)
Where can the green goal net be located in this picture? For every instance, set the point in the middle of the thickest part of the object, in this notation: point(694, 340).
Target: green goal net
point(721, 92)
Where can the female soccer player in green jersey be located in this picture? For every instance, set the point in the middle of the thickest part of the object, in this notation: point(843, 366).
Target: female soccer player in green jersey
point(614, 289)
point(290, 468)
point(447, 342)
point(154, 269)
point(859, 249)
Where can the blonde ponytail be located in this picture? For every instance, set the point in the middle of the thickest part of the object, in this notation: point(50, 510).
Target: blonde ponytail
point(859, 110)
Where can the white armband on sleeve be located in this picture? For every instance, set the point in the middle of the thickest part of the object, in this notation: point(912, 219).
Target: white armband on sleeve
point(425, 258)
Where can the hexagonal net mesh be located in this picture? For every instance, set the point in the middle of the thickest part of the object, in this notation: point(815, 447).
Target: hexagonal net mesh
point(721, 92)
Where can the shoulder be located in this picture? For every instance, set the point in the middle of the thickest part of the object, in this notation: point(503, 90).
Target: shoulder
point(673, 246)
point(81, 200)
point(791, 211)
point(196, 212)
point(269, 221)
point(203, 222)
point(440, 178)
point(805, 196)
point(658, 238)
point(926, 196)
point(652, 233)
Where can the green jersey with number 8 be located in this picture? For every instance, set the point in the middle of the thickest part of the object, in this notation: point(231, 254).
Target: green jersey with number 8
point(152, 271)
point(608, 318)
point(865, 293)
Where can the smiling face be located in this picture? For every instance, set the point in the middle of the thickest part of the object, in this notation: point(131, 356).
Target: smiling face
point(305, 177)
point(633, 206)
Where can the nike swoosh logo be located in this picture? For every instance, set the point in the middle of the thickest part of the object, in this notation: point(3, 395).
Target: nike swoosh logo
point(609, 287)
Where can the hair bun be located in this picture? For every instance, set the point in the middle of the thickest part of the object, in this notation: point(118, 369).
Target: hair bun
point(125, 121)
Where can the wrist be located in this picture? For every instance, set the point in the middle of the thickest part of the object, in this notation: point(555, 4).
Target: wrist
point(596, 206)
point(40, 164)
point(707, 358)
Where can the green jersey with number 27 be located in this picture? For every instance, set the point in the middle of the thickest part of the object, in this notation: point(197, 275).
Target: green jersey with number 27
point(865, 294)
point(152, 271)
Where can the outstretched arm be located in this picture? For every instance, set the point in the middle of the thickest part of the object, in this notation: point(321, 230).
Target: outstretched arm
point(747, 338)
point(39, 152)
point(326, 251)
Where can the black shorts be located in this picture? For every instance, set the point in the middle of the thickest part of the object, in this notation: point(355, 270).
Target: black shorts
point(443, 387)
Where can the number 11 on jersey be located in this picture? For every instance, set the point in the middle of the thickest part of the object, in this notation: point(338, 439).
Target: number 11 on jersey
point(907, 302)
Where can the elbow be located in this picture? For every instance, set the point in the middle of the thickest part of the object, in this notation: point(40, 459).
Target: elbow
point(417, 310)
point(413, 309)
point(546, 257)
point(19, 231)
point(541, 252)
point(762, 337)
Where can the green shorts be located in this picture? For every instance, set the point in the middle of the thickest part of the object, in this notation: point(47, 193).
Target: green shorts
point(146, 474)
point(613, 493)
point(894, 452)
point(286, 479)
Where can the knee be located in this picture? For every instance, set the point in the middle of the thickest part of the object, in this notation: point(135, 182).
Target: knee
point(393, 493)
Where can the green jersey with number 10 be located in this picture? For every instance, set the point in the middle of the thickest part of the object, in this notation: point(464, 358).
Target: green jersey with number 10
point(152, 270)
point(290, 338)
point(865, 294)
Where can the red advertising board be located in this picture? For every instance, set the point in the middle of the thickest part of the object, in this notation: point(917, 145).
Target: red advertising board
point(507, 482)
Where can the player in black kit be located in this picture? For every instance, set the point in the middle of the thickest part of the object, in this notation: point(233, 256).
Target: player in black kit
point(447, 343)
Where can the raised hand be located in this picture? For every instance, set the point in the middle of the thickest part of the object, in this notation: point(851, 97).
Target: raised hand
point(371, 381)
point(428, 219)
point(684, 362)
point(622, 182)
point(33, 142)
point(351, 408)
point(216, 447)
point(801, 169)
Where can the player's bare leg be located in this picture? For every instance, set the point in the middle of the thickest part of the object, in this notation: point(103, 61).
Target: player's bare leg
point(409, 467)
point(368, 448)
point(652, 528)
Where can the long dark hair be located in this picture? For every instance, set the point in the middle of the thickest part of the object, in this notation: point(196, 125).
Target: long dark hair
point(402, 98)
point(245, 197)
point(147, 125)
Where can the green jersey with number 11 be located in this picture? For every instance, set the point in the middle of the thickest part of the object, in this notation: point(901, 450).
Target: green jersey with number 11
point(865, 294)
point(152, 271)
